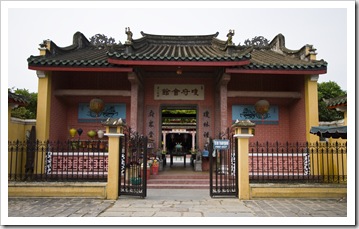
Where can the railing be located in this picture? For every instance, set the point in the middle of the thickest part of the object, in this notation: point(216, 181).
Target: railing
point(319, 162)
point(88, 161)
point(58, 161)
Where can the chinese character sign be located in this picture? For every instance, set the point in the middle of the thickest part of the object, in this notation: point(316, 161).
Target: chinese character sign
point(179, 92)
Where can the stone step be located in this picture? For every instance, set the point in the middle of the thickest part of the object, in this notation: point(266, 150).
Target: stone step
point(178, 181)
point(175, 177)
point(178, 186)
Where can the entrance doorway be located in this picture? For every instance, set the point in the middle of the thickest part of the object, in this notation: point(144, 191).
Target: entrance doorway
point(179, 128)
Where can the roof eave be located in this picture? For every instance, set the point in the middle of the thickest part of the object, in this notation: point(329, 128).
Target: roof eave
point(278, 72)
point(179, 63)
point(81, 69)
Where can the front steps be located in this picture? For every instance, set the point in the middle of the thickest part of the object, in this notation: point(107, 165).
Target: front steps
point(179, 177)
point(178, 181)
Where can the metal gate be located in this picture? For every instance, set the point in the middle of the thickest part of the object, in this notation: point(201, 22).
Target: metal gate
point(133, 162)
point(223, 159)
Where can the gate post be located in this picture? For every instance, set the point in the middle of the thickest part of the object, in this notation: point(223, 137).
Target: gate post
point(114, 130)
point(243, 130)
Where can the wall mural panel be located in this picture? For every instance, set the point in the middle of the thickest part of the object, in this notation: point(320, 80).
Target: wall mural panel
point(247, 112)
point(111, 110)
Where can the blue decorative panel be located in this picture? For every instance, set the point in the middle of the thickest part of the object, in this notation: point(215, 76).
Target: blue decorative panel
point(244, 112)
point(111, 110)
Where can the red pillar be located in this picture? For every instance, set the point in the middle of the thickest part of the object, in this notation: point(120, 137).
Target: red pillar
point(136, 110)
point(223, 109)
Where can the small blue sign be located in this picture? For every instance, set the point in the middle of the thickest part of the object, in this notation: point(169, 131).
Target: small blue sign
point(111, 110)
point(220, 144)
point(205, 153)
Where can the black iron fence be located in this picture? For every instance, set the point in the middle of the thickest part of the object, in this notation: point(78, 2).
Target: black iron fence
point(319, 162)
point(58, 161)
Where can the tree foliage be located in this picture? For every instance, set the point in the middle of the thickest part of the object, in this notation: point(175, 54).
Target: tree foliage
point(328, 90)
point(28, 112)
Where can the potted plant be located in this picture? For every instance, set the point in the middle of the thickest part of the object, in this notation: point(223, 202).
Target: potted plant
point(164, 152)
point(193, 155)
point(136, 180)
point(154, 167)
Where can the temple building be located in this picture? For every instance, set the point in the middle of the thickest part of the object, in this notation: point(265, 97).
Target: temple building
point(178, 90)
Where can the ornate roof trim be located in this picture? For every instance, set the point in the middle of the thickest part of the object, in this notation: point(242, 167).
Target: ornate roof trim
point(278, 45)
point(79, 41)
point(150, 47)
point(197, 50)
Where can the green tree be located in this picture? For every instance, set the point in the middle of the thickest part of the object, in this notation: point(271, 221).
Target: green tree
point(28, 112)
point(328, 90)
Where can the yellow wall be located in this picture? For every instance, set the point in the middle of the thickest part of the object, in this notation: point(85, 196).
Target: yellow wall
point(297, 191)
point(17, 128)
point(57, 189)
point(311, 106)
point(43, 107)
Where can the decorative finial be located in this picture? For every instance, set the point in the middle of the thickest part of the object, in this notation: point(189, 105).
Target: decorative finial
point(230, 35)
point(129, 35)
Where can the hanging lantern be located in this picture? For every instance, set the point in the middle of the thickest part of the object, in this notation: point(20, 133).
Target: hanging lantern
point(79, 131)
point(96, 105)
point(72, 132)
point(262, 107)
point(100, 133)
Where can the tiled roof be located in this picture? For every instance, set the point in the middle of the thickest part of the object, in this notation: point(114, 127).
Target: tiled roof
point(203, 48)
point(276, 56)
point(269, 59)
point(85, 57)
point(336, 102)
point(178, 48)
point(80, 54)
point(330, 131)
point(18, 99)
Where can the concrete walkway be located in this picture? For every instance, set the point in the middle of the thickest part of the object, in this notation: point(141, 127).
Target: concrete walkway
point(175, 203)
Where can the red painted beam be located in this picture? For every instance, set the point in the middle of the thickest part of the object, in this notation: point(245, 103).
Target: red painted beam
point(80, 69)
point(178, 63)
point(339, 105)
point(278, 72)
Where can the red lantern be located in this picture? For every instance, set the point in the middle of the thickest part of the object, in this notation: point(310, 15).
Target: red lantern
point(262, 107)
point(96, 105)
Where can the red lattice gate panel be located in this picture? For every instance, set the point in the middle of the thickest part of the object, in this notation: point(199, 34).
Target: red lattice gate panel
point(280, 164)
point(79, 163)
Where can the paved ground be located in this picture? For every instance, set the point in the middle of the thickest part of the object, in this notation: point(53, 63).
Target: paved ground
point(175, 203)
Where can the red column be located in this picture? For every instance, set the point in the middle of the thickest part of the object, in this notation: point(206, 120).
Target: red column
point(135, 86)
point(223, 110)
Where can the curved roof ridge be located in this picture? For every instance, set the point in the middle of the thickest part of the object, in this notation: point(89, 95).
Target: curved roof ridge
point(79, 41)
point(278, 45)
point(174, 39)
point(209, 36)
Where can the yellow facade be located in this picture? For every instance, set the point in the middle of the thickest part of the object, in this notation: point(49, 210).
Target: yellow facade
point(17, 128)
point(43, 107)
point(58, 189)
point(311, 106)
